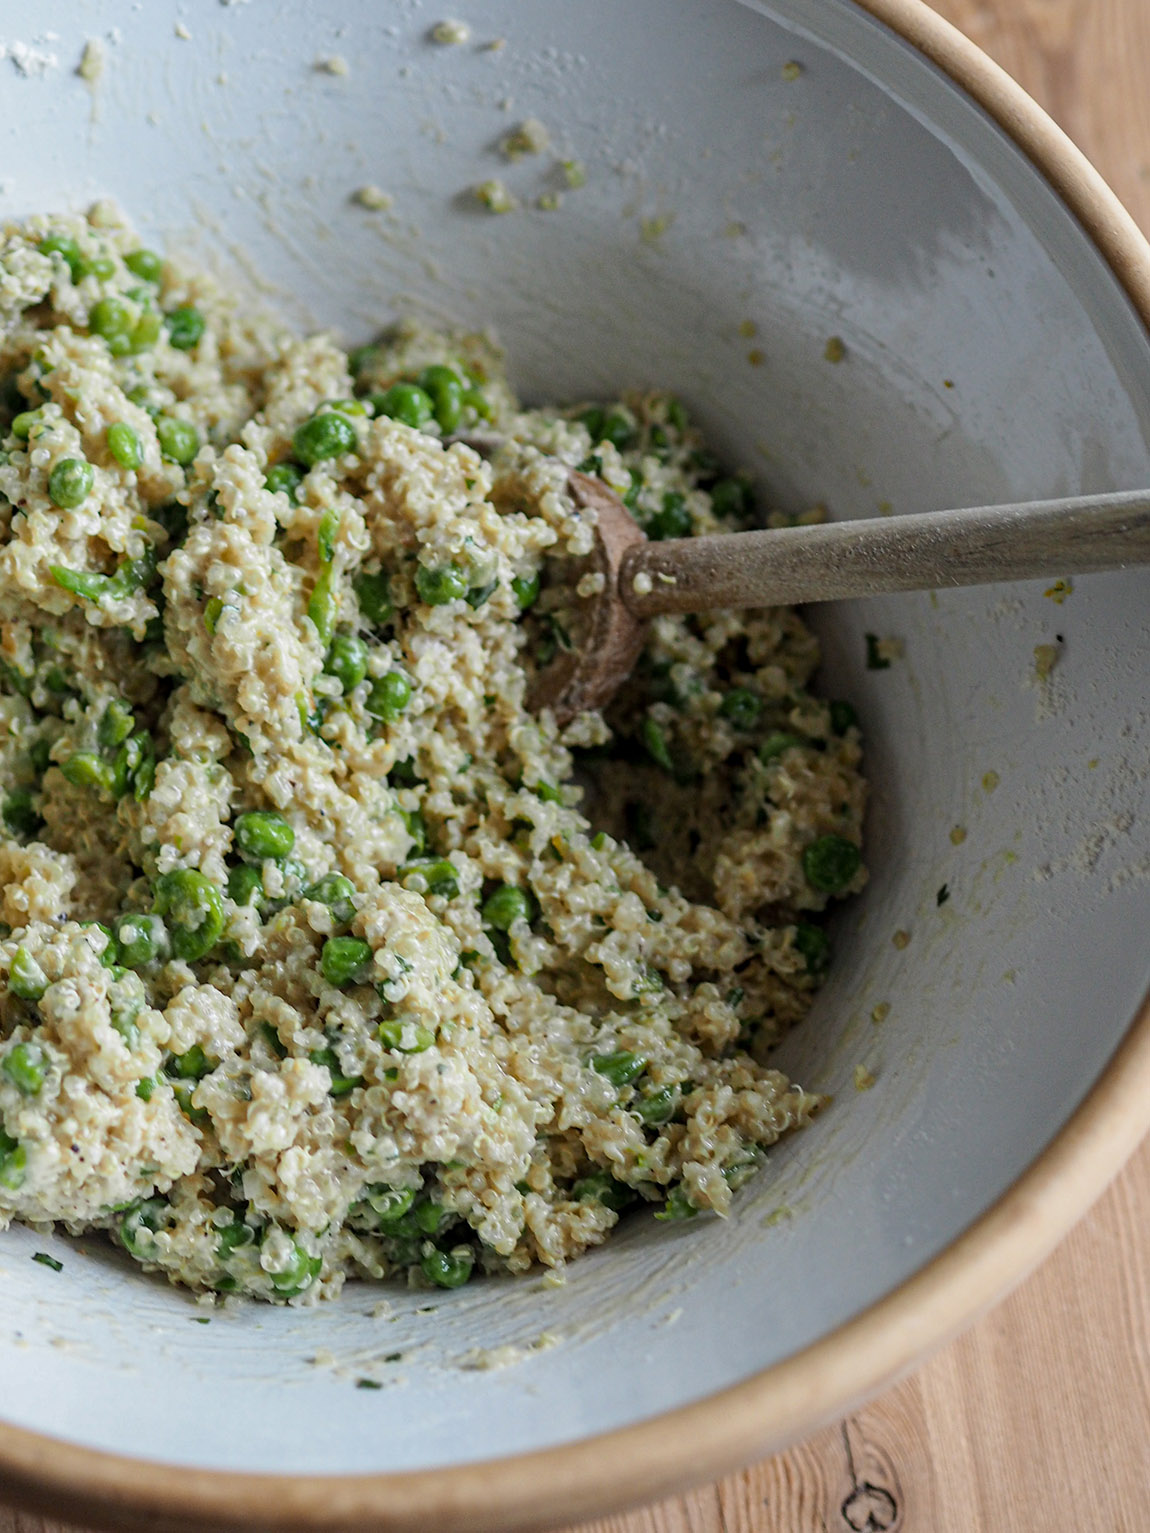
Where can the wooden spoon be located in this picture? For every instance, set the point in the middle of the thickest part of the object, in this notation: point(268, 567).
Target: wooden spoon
point(974, 546)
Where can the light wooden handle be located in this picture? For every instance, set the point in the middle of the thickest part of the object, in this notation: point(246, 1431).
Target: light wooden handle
point(974, 546)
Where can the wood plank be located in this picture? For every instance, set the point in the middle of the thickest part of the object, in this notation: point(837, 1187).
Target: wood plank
point(1039, 1417)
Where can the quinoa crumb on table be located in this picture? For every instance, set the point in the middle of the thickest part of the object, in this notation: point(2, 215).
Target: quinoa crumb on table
point(321, 956)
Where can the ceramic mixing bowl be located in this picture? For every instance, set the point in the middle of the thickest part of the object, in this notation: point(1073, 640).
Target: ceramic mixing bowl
point(760, 178)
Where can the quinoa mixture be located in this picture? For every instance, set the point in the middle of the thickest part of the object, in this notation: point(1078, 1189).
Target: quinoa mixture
point(320, 955)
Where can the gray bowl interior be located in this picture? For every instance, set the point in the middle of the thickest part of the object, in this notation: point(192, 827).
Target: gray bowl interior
point(990, 354)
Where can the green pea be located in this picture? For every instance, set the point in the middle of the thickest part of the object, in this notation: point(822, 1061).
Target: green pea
point(192, 1065)
point(285, 479)
point(298, 1275)
point(731, 497)
point(445, 387)
point(124, 445)
point(447, 1269)
point(330, 435)
point(405, 1036)
point(347, 660)
point(22, 424)
point(775, 744)
point(141, 939)
point(656, 1107)
point(196, 909)
point(813, 946)
point(146, 1086)
point(678, 1204)
point(179, 440)
point(25, 977)
point(65, 246)
point(323, 604)
point(507, 905)
point(655, 741)
point(438, 586)
point(843, 717)
point(99, 266)
point(111, 319)
point(389, 1204)
point(742, 707)
point(345, 960)
point(475, 399)
point(232, 1238)
point(440, 877)
point(20, 814)
point(70, 483)
point(263, 833)
point(360, 358)
point(830, 863)
point(145, 332)
point(335, 891)
point(673, 521)
point(372, 593)
point(341, 1084)
point(84, 769)
point(116, 724)
point(525, 589)
point(185, 327)
point(145, 264)
point(389, 696)
point(406, 403)
point(245, 885)
point(601, 1187)
point(25, 1066)
point(620, 1068)
point(13, 1162)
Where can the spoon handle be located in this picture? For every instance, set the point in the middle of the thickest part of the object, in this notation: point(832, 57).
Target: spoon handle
point(974, 546)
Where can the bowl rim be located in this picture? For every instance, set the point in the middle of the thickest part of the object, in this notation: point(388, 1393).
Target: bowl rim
point(787, 1401)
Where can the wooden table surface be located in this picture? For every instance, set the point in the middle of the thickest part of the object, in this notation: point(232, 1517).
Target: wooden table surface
point(1039, 1417)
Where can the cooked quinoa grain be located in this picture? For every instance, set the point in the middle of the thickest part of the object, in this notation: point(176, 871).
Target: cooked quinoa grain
point(320, 955)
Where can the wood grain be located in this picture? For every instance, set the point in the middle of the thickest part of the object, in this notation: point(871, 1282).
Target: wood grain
point(917, 551)
point(1039, 1417)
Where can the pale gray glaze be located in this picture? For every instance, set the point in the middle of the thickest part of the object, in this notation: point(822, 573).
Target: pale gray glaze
point(879, 206)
